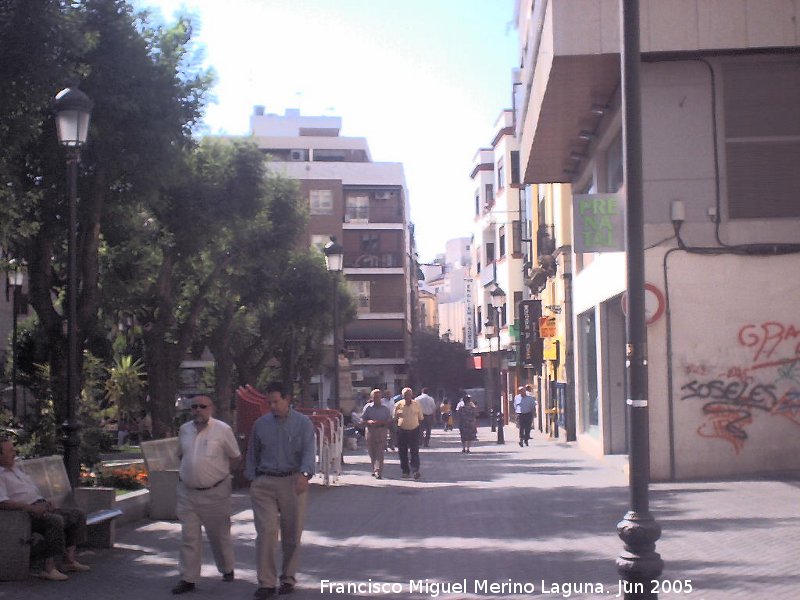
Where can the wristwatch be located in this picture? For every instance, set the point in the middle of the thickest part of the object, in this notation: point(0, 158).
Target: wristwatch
point(306, 474)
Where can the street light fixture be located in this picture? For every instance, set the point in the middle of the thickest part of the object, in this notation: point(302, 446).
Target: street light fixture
point(73, 111)
point(16, 279)
point(498, 299)
point(334, 260)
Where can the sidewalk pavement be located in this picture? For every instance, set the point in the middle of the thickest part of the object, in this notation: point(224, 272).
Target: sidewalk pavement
point(517, 517)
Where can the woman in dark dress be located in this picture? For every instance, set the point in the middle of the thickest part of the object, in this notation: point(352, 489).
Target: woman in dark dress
point(467, 422)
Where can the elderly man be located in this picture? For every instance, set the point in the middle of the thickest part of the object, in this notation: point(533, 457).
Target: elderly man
point(524, 403)
point(61, 528)
point(208, 451)
point(428, 406)
point(408, 415)
point(376, 418)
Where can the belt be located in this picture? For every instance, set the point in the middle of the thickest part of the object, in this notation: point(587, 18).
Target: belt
point(277, 473)
point(203, 489)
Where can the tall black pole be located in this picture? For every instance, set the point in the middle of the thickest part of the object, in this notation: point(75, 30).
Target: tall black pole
point(336, 340)
point(14, 309)
point(70, 427)
point(499, 395)
point(639, 563)
point(493, 407)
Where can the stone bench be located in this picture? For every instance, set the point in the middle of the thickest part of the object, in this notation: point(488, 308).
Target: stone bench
point(51, 478)
point(163, 464)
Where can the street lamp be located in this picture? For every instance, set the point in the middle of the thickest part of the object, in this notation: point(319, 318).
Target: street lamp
point(334, 259)
point(16, 279)
point(639, 564)
point(490, 329)
point(73, 110)
point(498, 299)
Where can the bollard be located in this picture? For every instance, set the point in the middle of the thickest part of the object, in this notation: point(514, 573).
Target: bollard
point(501, 439)
point(492, 419)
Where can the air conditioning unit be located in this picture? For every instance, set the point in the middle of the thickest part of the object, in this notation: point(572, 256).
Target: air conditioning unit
point(385, 195)
point(298, 155)
point(357, 375)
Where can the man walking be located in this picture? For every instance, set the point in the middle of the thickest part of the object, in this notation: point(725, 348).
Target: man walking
point(376, 418)
point(392, 429)
point(523, 407)
point(428, 406)
point(208, 450)
point(280, 463)
point(408, 415)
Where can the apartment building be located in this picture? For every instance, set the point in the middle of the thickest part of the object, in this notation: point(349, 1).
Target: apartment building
point(364, 204)
point(720, 92)
point(497, 261)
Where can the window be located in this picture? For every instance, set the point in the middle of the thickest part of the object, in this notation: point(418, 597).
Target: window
point(318, 240)
point(357, 210)
point(360, 291)
point(477, 202)
point(489, 252)
point(762, 136)
point(516, 238)
point(370, 242)
point(501, 175)
point(501, 247)
point(489, 196)
point(321, 202)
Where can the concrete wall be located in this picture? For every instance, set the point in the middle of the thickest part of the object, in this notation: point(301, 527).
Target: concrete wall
point(735, 366)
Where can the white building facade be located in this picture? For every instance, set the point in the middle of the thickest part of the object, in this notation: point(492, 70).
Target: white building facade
point(721, 144)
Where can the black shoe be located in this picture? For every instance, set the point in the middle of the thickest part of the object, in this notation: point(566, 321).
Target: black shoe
point(286, 588)
point(228, 577)
point(183, 587)
point(264, 592)
point(526, 442)
point(520, 443)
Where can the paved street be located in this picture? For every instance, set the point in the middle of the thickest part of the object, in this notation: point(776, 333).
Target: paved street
point(502, 514)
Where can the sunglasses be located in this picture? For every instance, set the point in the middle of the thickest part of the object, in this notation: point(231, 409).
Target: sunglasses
point(199, 405)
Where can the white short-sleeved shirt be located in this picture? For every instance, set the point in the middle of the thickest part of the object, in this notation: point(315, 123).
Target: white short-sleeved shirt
point(205, 455)
point(17, 486)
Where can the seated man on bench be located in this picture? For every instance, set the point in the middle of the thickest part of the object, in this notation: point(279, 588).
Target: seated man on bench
point(61, 528)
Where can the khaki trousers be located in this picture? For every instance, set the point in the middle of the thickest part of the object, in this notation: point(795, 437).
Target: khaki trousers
point(376, 446)
point(209, 509)
point(276, 507)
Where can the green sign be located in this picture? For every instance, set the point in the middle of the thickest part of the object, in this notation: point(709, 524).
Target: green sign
point(598, 223)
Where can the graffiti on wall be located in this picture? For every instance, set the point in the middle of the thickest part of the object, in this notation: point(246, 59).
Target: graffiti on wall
point(766, 384)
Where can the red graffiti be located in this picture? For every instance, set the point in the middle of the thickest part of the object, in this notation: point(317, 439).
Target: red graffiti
point(767, 337)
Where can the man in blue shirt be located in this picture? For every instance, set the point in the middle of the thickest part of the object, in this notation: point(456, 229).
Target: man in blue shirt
point(523, 407)
point(280, 462)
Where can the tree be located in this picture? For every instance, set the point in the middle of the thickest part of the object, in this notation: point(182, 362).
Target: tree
point(147, 98)
point(439, 364)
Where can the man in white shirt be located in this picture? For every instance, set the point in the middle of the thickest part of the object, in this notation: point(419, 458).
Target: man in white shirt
point(61, 528)
point(524, 405)
point(428, 406)
point(208, 451)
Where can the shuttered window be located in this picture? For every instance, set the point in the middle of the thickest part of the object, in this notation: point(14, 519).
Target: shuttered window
point(762, 136)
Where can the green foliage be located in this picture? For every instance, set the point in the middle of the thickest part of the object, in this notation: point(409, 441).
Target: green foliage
point(439, 364)
point(126, 384)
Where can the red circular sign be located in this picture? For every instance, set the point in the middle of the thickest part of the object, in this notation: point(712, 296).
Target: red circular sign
point(654, 303)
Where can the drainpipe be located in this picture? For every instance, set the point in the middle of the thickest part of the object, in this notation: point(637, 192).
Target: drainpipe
point(569, 352)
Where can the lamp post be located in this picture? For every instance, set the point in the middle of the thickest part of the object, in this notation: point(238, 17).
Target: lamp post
point(73, 110)
point(639, 563)
point(16, 279)
point(489, 328)
point(498, 299)
point(334, 259)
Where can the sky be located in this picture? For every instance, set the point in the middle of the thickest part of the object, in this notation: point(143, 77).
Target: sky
point(422, 80)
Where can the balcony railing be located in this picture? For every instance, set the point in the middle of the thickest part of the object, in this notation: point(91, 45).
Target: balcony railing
point(369, 260)
point(373, 214)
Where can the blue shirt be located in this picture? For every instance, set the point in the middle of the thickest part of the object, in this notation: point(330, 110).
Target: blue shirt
point(285, 445)
point(376, 413)
point(523, 403)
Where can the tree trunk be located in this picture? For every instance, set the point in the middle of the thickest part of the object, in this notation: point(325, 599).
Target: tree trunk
point(163, 363)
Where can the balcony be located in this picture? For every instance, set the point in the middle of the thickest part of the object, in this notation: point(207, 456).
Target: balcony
point(376, 260)
point(373, 214)
point(488, 274)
